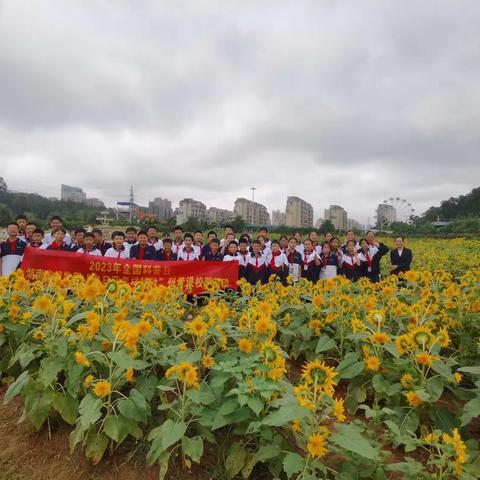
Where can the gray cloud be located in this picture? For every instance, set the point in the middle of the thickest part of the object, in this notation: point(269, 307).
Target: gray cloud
point(336, 102)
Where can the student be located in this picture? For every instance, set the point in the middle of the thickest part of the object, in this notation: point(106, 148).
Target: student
point(264, 248)
point(166, 254)
point(335, 248)
point(21, 221)
point(143, 250)
point(228, 230)
point(374, 246)
point(328, 262)
point(328, 237)
point(370, 258)
point(264, 233)
point(351, 264)
point(100, 242)
point(232, 253)
point(130, 239)
point(153, 240)
point(198, 243)
point(214, 254)
point(206, 248)
point(78, 239)
point(277, 262)
point(294, 258)
point(401, 257)
point(243, 255)
point(29, 229)
point(58, 242)
point(118, 249)
point(256, 267)
point(283, 243)
point(350, 235)
point(298, 238)
point(229, 238)
point(56, 222)
point(310, 262)
point(187, 253)
point(89, 247)
point(314, 239)
point(177, 240)
point(36, 238)
point(11, 250)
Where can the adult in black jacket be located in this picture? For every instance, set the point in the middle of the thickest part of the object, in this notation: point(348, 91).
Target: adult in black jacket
point(401, 257)
point(370, 255)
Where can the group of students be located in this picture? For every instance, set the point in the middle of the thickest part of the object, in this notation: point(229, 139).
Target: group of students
point(257, 259)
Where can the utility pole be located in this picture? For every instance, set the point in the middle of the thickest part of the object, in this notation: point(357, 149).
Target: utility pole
point(253, 193)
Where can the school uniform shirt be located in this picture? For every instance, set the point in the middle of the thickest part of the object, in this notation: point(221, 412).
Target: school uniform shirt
point(60, 247)
point(103, 247)
point(222, 242)
point(122, 253)
point(75, 246)
point(163, 256)
point(232, 258)
point(256, 269)
point(328, 266)
point(94, 252)
point(214, 257)
point(266, 251)
point(268, 243)
point(318, 249)
point(128, 244)
point(35, 245)
point(176, 247)
point(48, 238)
point(309, 268)
point(11, 254)
point(295, 264)
point(147, 252)
point(198, 250)
point(156, 244)
point(185, 255)
point(276, 262)
point(402, 258)
point(349, 267)
point(205, 250)
point(371, 260)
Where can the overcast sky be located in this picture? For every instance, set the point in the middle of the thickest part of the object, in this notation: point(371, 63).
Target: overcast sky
point(342, 102)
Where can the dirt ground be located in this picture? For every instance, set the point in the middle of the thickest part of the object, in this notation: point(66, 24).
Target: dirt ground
point(29, 455)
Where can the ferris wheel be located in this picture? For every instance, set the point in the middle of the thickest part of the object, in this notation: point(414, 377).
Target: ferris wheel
point(394, 209)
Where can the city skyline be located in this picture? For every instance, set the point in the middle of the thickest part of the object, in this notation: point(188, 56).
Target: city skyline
point(335, 102)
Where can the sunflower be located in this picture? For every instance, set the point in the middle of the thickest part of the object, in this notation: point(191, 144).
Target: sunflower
point(144, 327)
point(431, 438)
point(413, 399)
point(43, 304)
point(88, 380)
point(380, 338)
point(339, 410)
point(245, 345)
point(81, 359)
point(296, 425)
point(197, 327)
point(318, 373)
point(422, 336)
point(263, 325)
point(407, 381)
point(443, 338)
point(316, 445)
point(129, 375)
point(102, 388)
point(403, 344)
point(38, 335)
point(425, 358)
point(460, 448)
point(208, 361)
point(372, 363)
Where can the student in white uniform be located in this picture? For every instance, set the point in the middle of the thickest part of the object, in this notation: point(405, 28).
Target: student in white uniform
point(21, 221)
point(294, 258)
point(11, 250)
point(118, 249)
point(232, 254)
point(277, 262)
point(89, 247)
point(56, 222)
point(264, 233)
point(328, 262)
point(244, 255)
point(177, 244)
point(298, 238)
point(152, 234)
point(225, 241)
point(187, 253)
point(310, 262)
point(130, 239)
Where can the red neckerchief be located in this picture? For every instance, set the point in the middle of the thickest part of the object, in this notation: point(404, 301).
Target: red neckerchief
point(13, 245)
point(325, 260)
point(305, 256)
point(167, 255)
point(141, 252)
point(353, 265)
point(244, 254)
point(291, 256)
point(272, 261)
point(57, 246)
point(188, 252)
point(369, 259)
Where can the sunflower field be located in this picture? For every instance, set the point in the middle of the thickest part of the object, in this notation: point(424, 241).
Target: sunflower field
point(334, 380)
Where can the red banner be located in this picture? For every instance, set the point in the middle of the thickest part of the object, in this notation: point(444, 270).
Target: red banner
point(191, 276)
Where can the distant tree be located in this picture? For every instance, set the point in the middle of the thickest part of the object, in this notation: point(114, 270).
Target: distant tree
point(327, 227)
point(238, 224)
point(191, 224)
point(6, 215)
